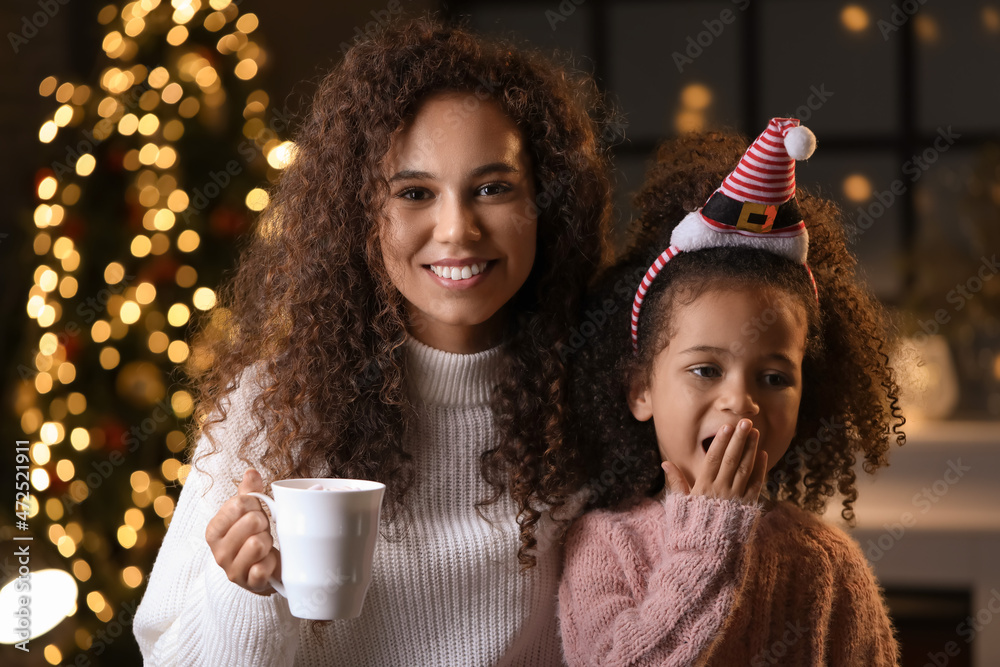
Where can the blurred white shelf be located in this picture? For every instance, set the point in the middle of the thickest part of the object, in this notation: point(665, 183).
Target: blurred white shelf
point(945, 478)
point(948, 433)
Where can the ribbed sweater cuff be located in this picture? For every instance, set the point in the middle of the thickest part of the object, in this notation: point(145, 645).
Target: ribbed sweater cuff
point(258, 625)
point(700, 523)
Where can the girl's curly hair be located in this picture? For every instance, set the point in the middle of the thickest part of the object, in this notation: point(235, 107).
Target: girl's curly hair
point(313, 309)
point(849, 403)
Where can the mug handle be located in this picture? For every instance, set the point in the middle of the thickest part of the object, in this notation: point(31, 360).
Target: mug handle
point(275, 583)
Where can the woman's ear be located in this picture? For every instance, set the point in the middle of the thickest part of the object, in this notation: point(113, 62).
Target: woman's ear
point(639, 401)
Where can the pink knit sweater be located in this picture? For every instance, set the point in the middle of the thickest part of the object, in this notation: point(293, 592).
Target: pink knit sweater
point(695, 580)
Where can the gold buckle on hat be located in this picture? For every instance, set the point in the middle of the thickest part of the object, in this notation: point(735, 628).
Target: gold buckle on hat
point(756, 208)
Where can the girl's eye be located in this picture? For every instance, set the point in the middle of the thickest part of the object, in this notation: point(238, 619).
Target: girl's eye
point(776, 380)
point(706, 371)
point(493, 189)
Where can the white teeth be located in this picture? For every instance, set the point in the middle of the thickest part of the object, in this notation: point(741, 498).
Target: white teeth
point(458, 272)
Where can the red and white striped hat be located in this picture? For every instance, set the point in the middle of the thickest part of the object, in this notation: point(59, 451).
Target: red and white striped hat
point(755, 207)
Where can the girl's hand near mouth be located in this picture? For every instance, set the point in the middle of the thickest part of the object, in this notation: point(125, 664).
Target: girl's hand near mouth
point(732, 468)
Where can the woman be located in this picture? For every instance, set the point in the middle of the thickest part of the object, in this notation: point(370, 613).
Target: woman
point(397, 317)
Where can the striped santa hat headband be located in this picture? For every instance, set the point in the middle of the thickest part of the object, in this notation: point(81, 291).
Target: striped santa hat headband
point(754, 208)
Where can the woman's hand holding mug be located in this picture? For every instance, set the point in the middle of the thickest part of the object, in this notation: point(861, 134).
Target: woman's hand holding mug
point(240, 538)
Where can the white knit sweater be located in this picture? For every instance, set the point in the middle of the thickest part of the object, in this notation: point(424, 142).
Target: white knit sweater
point(448, 593)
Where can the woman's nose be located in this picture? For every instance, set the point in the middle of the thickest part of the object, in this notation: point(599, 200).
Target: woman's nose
point(456, 222)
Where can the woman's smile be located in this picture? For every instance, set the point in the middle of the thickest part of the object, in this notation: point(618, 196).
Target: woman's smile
point(460, 274)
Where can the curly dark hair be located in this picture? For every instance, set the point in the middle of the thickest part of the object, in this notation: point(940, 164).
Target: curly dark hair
point(312, 307)
point(849, 403)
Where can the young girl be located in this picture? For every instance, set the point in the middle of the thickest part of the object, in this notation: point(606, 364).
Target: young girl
point(396, 318)
point(740, 368)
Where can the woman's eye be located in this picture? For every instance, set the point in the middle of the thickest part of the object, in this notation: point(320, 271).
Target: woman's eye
point(705, 371)
point(414, 194)
point(493, 189)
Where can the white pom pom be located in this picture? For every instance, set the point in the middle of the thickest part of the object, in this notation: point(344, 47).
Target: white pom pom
point(800, 143)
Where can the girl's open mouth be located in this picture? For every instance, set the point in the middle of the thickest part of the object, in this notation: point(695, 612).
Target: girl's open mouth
point(707, 442)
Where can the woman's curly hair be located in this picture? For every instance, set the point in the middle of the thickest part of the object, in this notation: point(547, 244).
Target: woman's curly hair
point(312, 306)
point(849, 403)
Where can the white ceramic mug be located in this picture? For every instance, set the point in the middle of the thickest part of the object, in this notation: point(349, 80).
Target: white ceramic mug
point(327, 541)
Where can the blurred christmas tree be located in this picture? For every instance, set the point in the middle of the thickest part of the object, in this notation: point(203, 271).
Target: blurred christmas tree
point(152, 172)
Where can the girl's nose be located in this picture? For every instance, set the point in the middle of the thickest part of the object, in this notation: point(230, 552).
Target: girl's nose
point(456, 221)
point(738, 398)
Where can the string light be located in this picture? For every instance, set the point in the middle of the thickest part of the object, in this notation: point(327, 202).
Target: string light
point(188, 240)
point(257, 199)
point(177, 351)
point(164, 505)
point(40, 453)
point(246, 69)
point(85, 165)
point(177, 35)
point(857, 188)
point(695, 100)
point(40, 479)
point(991, 18)
point(855, 18)
point(132, 576)
point(281, 155)
point(204, 298)
point(52, 654)
point(47, 86)
point(247, 23)
point(48, 131)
